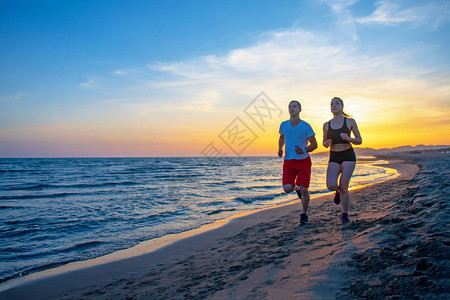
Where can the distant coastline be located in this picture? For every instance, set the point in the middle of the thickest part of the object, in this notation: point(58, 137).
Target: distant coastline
point(397, 151)
point(360, 151)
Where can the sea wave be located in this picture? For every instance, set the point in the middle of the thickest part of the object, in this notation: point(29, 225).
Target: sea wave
point(252, 199)
point(32, 187)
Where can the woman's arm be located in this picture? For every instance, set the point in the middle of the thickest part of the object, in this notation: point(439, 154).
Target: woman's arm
point(357, 140)
point(326, 142)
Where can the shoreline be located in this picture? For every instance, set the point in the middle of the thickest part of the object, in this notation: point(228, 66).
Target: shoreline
point(152, 245)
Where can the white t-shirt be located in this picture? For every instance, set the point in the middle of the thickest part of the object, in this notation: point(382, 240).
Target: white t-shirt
point(295, 136)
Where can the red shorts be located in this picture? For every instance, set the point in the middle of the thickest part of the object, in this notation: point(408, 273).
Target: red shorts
point(297, 171)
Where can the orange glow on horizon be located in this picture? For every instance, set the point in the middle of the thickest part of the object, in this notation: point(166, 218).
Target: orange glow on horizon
point(188, 135)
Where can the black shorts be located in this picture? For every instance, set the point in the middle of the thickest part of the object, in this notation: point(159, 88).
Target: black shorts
point(340, 157)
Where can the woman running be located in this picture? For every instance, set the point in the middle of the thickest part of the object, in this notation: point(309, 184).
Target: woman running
point(337, 136)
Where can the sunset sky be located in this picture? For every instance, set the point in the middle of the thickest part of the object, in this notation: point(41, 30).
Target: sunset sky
point(178, 78)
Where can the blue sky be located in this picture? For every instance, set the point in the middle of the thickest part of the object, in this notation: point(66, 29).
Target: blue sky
point(138, 78)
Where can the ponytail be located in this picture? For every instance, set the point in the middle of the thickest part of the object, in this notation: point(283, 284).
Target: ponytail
point(346, 115)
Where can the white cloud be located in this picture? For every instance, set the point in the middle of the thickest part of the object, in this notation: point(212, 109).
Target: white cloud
point(345, 23)
point(277, 53)
point(124, 99)
point(88, 84)
point(286, 64)
point(13, 97)
point(339, 5)
point(120, 72)
point(390, 13)
point(284, 58)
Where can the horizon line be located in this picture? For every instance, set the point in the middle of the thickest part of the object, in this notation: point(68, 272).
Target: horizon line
point(430, 147)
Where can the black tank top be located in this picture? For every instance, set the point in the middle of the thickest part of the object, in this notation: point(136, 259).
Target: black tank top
point(335, 134)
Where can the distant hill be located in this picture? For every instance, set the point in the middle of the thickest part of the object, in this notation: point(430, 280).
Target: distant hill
point(395, 151)
point(402, 150)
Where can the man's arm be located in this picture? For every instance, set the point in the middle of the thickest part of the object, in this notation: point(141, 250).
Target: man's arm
point(312, 144)
point(280, 145)
point(310, 148)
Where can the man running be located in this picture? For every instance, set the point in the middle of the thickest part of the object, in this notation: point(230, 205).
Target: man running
point(300, 139)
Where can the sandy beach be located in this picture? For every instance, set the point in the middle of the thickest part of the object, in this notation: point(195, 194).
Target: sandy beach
point(397, 247)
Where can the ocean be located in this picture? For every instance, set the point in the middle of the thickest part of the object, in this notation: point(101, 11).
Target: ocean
point(54, 211)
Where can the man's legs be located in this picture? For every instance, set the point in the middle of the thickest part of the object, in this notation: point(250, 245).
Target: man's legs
point(288, 188)
point(289, 175)
point(303, 179)
point(298, 172)
point(305, 198)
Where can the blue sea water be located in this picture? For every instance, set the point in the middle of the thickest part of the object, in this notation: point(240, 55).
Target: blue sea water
point(61, 210)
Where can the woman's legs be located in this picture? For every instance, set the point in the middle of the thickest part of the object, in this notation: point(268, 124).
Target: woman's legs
point(333, 171)
point(346, 170)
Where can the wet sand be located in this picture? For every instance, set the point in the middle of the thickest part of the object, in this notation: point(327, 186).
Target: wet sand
point(395, 247)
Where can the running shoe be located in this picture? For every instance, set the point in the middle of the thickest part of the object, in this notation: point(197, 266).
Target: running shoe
point(303, 219)
point(345, 218)
point(337, 198)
